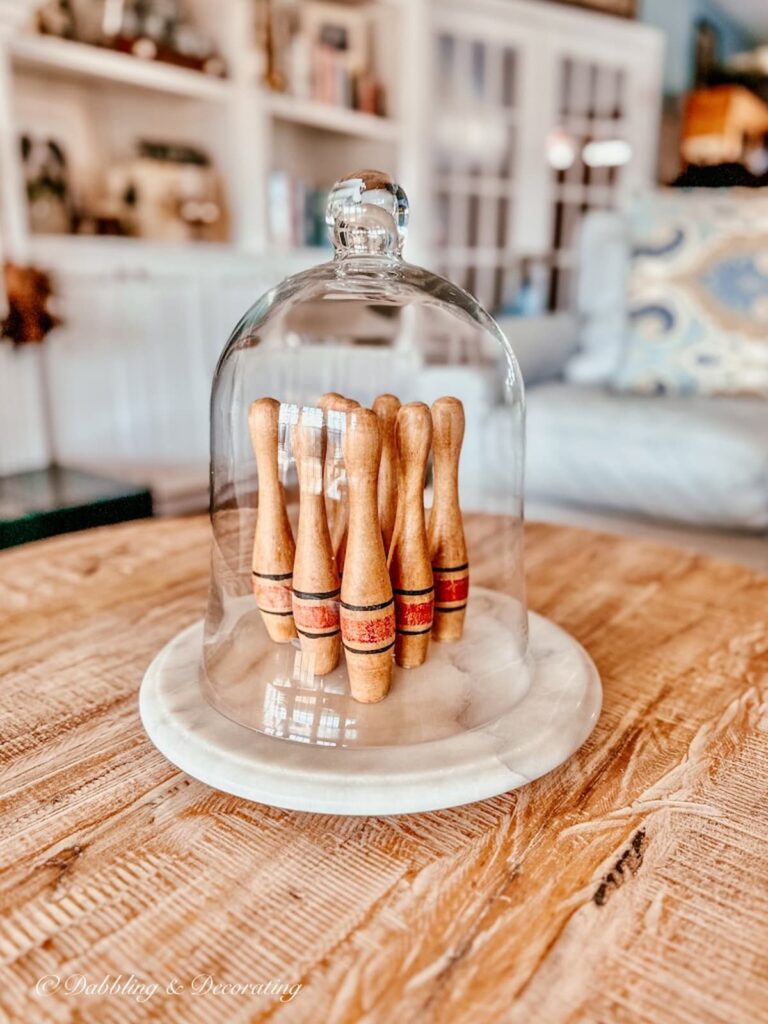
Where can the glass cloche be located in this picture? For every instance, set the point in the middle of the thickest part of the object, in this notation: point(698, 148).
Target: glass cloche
point(367, 445)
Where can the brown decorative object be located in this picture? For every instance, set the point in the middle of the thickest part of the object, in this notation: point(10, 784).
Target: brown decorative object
point(386, 408)
point(148, 49)
point(168, 192)
point(447, 543)
point(56, 18)
point(28, 290)
point(621, 8)
point(273, 545)
point(719, 123)
point(273, 77)
point(334, 473)
point(315, 577)
point(627, 885)
point(403, 579)
point(409, 566)
point(367, 604)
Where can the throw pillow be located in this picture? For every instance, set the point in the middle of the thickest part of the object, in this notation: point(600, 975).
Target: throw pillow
point(698, 294)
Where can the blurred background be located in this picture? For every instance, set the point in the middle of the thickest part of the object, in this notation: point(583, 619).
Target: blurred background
point(591, 170)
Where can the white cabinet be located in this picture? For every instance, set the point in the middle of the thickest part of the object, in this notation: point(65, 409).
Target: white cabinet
point(129, 370)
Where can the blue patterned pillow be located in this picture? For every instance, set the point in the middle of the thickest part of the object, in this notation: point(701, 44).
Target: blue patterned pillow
point(698, 294)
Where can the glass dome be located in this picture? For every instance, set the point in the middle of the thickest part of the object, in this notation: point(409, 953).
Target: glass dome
point(367, 447)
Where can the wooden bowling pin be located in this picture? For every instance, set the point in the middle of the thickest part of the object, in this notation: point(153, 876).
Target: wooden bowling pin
point(315, 579)
point(367, 605)
point(410, 568)
point(386, 407)
point(273, 546)
point(334, 474)
point(447, 544)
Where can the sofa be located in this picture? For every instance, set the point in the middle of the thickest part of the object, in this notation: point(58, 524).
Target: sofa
point(689, 469)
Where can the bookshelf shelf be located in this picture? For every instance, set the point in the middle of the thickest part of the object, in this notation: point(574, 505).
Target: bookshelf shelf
point(107, 255)
point(108, 251)
point(325, 116)
point(61, 56)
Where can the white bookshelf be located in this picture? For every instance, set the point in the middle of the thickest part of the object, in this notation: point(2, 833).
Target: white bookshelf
point(248, 130)
point(134, 309)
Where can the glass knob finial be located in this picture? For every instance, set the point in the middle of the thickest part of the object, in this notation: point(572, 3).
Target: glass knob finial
point(367, 214)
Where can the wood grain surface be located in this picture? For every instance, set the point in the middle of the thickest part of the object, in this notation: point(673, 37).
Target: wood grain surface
point(630, 885)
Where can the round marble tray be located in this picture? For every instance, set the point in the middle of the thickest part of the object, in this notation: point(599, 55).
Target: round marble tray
point(549, 723)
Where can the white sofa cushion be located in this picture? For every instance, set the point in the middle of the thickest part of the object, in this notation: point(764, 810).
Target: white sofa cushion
point(702, 461)
point(698, 294)
point(601, 298)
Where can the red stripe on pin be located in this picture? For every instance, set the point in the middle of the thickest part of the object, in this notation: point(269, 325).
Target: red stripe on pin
point(413, 614)
point(316, 616)
point(367, 631)
point(275, 597)
point(451, 589)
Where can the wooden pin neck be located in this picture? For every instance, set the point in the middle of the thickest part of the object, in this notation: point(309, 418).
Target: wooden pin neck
point(263, 423)
point(309, 440)
point(362, 446)
point(448, 426)
point(327, 400)
point(413, 434)
point(447, 439)
point(340, 404)
point(386, 408)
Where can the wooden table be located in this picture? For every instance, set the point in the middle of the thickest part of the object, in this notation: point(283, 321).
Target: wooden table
point(631, 885)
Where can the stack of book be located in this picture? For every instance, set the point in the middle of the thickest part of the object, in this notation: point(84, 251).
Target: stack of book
point(321, 68)
point(331, 82)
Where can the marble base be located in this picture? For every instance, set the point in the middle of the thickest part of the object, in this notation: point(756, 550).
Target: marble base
point(554, 717)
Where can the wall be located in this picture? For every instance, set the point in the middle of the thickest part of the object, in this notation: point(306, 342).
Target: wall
point(677, 19)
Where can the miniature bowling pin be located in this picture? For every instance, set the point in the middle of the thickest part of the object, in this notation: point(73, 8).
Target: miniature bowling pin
point(334, 474)
point(315, 579)
point(367, 605)
point(410, 568)
point(447, 544)
point(273, 546)
point(386, 407)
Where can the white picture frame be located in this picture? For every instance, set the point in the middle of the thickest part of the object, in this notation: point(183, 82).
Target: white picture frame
point(344, 28)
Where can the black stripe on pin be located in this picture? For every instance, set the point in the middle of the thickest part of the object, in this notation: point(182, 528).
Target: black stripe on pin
point(367, 607)
point(267, 611)
point(317, 636)
point(304, 595)
point(378, 650)
point(272, 576)
point(458, 608)
point(452, 568)
point(414, 632)
point(414, 593)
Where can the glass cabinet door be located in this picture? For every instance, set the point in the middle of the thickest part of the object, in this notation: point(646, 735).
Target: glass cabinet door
point(475, 155)
point(541, 115)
